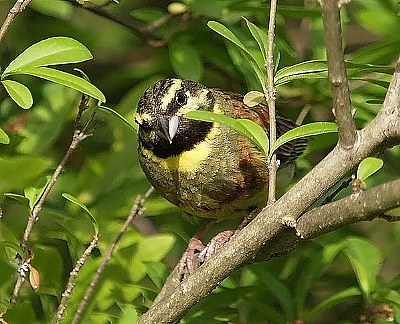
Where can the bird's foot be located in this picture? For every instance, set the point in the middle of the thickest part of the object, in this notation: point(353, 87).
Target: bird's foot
point(189, 261)
point(215, 243)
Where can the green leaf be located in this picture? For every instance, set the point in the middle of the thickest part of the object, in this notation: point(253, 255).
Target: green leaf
point(319, 69)
point(51, 51)
point(185, 60)
point(260, 36)
point(4, 139)
point(225, 32)
point(19, 93)
point(253, 98)
point(301, 70)
point(305, 131)
point(277, 289)
point(33, 193)
point(332, 301)
point(108, 110)
point(317, 265)
point(366, 261)
point(21, 199)
point(368, 167)
point(152, 248)
point(64, 78)
point(246, 127)
point(19, 172)
point(393, 212)
point(91, 217)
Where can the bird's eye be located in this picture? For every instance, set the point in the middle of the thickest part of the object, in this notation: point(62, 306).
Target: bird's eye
point(181, 98)
point(145, 126)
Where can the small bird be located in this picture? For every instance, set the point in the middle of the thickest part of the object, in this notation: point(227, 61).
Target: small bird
point(207, 169)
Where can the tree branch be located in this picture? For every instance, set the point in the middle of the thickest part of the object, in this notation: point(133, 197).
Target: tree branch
point(71, 281)
point(137, 210)
point(364, 205)
point(270, 96)
point(18, 7)
point(144, 32)
point(79, 136)
point(337, 73)
point(267, 227)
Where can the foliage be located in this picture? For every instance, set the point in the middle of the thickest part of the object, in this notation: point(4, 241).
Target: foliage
point(335, 278)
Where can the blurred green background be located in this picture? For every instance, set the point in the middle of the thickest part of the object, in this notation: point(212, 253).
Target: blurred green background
point(337, 278)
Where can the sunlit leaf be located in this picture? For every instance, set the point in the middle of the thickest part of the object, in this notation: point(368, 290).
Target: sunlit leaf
point(225, 32)
point(253, 98)
point(51, 51)
point(319, 69)
point(302, 69)
point(393, 212)
point(33, 193)
point(66, 79)
point(306, 130)
point(368, 167)
point(260, 36)
point(4, 139)
point(81, 205)
point(246, 127)
point(19, 93)
point(256, 60)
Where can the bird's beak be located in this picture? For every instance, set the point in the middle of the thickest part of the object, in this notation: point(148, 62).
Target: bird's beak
point(169, 127)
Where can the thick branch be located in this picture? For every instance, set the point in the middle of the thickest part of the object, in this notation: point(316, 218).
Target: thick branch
point(360, 206)
point(337, 73)
point(267, 226)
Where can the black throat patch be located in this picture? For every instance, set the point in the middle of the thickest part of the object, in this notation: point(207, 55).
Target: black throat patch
point(192, 133)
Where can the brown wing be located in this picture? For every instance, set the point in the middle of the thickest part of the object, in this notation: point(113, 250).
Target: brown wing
point(259, 114)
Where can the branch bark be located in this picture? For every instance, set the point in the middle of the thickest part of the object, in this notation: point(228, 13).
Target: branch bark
point(267, 227)
point(144, 32)
point(18, 7)
point(136, 210)
point(270, 96)
point(337, 73)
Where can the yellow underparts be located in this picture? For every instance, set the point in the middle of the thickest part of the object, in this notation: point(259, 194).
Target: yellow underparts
point(188, 161)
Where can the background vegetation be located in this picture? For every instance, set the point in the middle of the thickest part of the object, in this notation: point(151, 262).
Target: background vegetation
point(349, 275)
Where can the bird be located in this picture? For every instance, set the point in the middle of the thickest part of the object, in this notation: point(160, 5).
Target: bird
point(207, 169)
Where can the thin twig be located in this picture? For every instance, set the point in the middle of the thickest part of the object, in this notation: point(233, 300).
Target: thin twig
point(79, 136)
point(142, 31)
point(270, 96)
point(18, 7)
point(337, 73)
point(137, 210)
point(72, 276)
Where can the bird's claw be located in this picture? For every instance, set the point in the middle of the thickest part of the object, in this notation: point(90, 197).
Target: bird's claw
point(189, 261)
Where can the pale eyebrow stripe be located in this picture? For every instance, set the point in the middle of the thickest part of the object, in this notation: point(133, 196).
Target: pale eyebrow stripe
point(170, 95)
